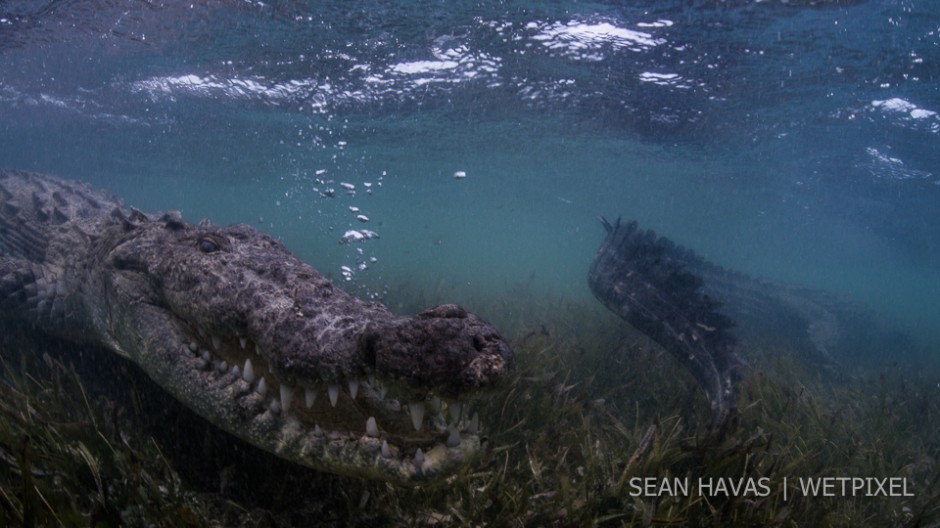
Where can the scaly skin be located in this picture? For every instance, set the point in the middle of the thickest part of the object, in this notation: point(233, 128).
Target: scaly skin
point(644, 279)
point(704, 315)
point(191, 304)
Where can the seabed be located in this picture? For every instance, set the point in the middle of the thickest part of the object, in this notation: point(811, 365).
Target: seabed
point(599, 427)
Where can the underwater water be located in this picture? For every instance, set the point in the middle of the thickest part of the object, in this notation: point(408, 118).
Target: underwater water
point(793, 140)
point(789, 140)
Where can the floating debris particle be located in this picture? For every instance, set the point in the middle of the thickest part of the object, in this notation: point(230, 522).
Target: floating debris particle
point(353, 208)
point(347, 186)
point(459, 175)
point(362, 218)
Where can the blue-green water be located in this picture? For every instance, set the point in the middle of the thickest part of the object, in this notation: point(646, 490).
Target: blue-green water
point(791, 140)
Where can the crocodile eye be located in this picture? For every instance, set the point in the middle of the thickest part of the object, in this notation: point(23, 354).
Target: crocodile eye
point(207, 245)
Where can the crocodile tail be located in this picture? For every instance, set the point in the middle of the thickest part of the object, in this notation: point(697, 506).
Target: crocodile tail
point(18, 289)
point(643, 278)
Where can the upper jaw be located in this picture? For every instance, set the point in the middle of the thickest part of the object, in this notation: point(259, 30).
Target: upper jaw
point(444, 348)
point(444, 351)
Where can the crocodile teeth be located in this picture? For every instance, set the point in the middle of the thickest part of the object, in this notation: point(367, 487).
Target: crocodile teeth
point(215, 342)
point(332, 391)
point(242, 342)
point(419, 458)
point(316, 430)
point(248, 372)
point(235, 371)
point(310, 396)
point(262, 387)
point(222, 366)
point(371, 428)
point(416, 410)
point(454, 411)
point(193, 347)
point(353, 387)
point(287, 396)
point(474, 426)
point(453, 437)
point(205, 355)
point(435, 404)
point(386, 452)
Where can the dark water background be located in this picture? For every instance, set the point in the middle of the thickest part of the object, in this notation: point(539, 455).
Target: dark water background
point(796, 140)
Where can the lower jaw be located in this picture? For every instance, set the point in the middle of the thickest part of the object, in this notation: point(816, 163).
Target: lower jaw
point(372, 458)
point(297, 430)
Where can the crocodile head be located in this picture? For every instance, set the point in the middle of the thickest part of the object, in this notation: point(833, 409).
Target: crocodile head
point(261, 345)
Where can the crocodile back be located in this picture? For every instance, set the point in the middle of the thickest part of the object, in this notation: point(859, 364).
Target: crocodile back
point(34, 208)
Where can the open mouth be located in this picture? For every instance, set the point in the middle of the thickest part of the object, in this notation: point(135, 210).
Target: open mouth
point(360, 419)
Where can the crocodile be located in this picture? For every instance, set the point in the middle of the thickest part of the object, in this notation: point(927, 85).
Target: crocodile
point(705, 315)
point(644, 279)
point(257, 342)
